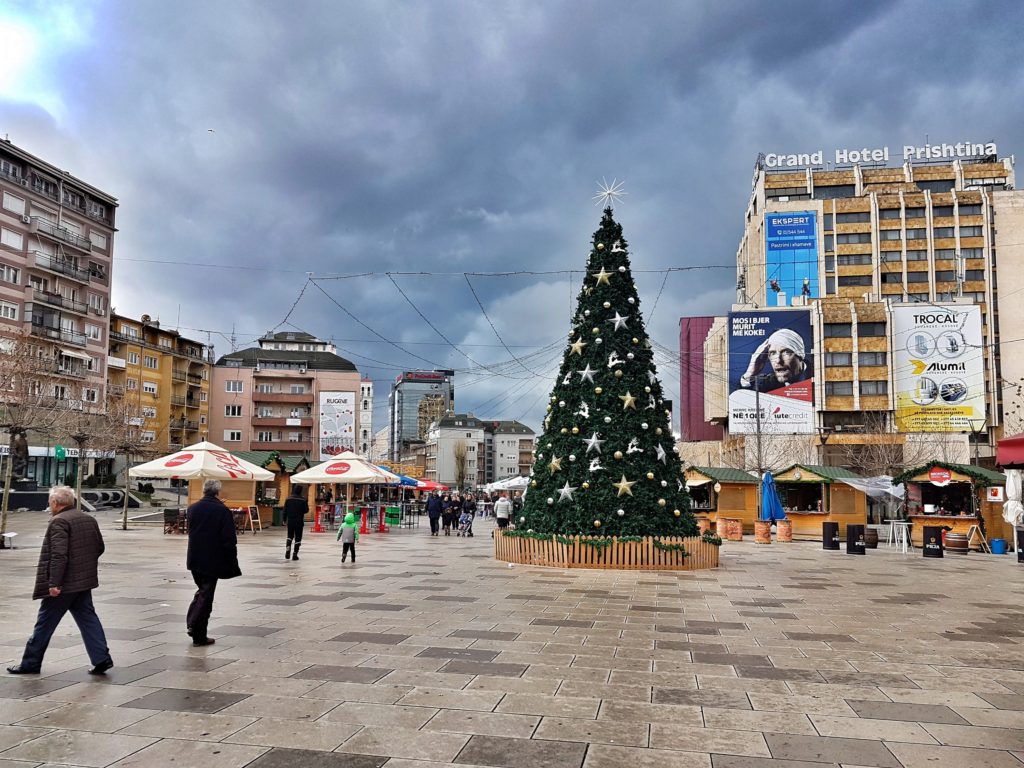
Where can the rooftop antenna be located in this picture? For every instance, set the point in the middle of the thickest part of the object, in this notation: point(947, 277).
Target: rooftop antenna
point(233, 339)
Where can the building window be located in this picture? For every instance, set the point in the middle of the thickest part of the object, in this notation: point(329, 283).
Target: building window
point(970, 210)
point(151, 362)
point(936, 185)
point(917, 255)
point(942, 211)
point(874, 387)
point(972, 253)
point(97, 210)
point(863, 237)
point(9, 274)
point(133, 358)
point(827, 225)
point(149, 412)
point(854, 259)
point(854, 280)
point(298, 389)
point(974, 274)
point(843, 388)
point(889, 213)
point(8, 311)
point(917, 233)
point(838, 330)
point(131, 384)
point(917, 277)
point(232, 410)
point(838, 359)
point(90, 395)
point(871, 329)
point(265, 389)
point(830, 285)
point(149, 387)
point(945, 276)
point(264, 437)
point(129, 331)
point(202, 419)
point(149, 436)
point(232, 436)
point(7, 168)
point(294, 437)
point(202, 397)
point(233, 385)
point(832, 192)
point(888, 278)
point(830, 242)
point(938, 232)
point(868, 359)
point(830, 262)
point(98, 240)
point(915, 213)
point(11, 239)
point(970, 231)
point(855, 217)
point(944, 254)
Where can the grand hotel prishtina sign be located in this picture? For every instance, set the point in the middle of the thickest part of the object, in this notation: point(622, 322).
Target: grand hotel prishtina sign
point(938, 367)
point(907, 153)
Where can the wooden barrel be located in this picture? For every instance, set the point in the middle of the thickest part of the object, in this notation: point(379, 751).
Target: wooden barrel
point(763, 532)
point(703, 525)
point(871, 538)
point(734, 529)
point(784, 530)
point(956, 543)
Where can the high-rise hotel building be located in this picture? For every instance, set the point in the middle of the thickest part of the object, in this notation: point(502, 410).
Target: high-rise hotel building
point(860, 246)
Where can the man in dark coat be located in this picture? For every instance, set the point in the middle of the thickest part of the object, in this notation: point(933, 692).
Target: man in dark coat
point(212, 555)
point(295, 511)
point(65, 577)
point(434, 509)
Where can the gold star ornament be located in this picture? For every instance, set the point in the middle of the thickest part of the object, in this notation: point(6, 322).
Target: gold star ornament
point(625, 486)
point(602, 277)
point(555, 465)
point(628, 401)
point(577, 346)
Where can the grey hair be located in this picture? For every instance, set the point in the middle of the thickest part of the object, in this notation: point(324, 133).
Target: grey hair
point(211, 486)
point(63, 495)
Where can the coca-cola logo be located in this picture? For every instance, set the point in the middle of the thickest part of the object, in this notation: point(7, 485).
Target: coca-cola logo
point(337, 468)
point(177, 461)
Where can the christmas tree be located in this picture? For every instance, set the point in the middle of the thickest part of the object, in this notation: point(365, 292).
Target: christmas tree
point(606, 462)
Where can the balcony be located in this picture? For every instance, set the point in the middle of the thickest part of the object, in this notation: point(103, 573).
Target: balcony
point(282, 397)
point(44, 261)
point(178, 375)
point(194, 380)
point(191, 402)
point(282, 421)
point(176, 424)
point(177, 399)
point(56, 334)
point(117, 390)
point(174, 446)
point(57, 300)
point(49, 229)
point(71, 371)
point(285, 446)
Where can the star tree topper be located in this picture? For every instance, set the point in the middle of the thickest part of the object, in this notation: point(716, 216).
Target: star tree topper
point(609, 194)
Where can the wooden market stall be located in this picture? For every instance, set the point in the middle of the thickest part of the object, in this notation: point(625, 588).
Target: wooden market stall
point(721, 492)
point(813, 494)
point(273, 493)
point(956, 497)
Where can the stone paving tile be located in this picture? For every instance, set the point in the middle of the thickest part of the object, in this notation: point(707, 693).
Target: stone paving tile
point(188, 725)
point(175, 753)
point(88, 717)
point(915, 713)
point(405, 742)
point(94, 750)
point(744, 720)
point(827, 749)
point(378, 638)
point(521, 753)
point(924, 756)
point(977, 736)
point(282, 707)
point(390, 715)
point(335, 674)
point(712, 740)
point(592, 731)
point(493, 668)
point(321, 735)
point(373, 694)
point(483, 723)
point(472, 654)
point(556, 706)
point(867, 728)
point(13, 735)
point(181, 700)
point(1005, 701)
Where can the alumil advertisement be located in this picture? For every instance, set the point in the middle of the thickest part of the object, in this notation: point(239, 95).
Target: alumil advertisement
point(337, 423)
point(791, 255)
point(771, 363)
point(938, 367)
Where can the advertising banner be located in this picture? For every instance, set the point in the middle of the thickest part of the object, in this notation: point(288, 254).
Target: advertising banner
point(938, 367)
point(791, 255)
point(337, 423)
point(771, 362)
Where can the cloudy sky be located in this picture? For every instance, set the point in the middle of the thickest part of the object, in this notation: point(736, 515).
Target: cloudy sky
point(251, 143)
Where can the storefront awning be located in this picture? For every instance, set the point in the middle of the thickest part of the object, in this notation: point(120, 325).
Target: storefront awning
point(697, 482)
point(75, 353)
point(1010, 453)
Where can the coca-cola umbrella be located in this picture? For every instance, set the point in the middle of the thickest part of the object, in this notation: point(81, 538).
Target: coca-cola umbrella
point(349, 468)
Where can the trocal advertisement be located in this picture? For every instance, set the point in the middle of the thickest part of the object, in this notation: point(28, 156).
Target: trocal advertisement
point(337, 423)
point(791, 256)
point(938, 368)
point(771, 372)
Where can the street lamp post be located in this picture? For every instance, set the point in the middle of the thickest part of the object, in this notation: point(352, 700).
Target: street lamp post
point(976, 433)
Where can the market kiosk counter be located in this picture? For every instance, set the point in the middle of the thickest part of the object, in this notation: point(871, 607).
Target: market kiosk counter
point(722, 492)
point(813, 494)
point(954, 496)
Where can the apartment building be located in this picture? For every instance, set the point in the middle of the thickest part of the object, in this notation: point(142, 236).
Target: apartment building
point(490, 450)
point(299, 399)
point(508, 449)
point(56, 251)
point(166, 374)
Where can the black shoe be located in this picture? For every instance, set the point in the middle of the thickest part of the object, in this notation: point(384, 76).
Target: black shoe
point(188, 631)
point(102, 667)
point(205, 641)
point(20, 670)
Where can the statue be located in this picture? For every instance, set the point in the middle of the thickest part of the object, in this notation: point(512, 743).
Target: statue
point(19, 454)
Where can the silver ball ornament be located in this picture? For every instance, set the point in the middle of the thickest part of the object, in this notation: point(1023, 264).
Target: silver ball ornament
point(645, 425)
point(550, 500)
point(607, 419)
point(629, 355)
point(598, 340)
point(622, 269)
point(620, 512)
point(631, 300)
point(607, 305)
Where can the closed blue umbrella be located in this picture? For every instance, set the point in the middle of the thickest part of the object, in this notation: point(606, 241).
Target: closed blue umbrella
point(771, 506)
point(404, 480)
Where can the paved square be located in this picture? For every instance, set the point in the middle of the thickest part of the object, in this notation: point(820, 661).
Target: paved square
point(429, 653)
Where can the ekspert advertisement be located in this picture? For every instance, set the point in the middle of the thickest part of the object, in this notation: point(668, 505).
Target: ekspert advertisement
point(337, 423)
point(938, 367)
point(791, 255)
point(771, 362)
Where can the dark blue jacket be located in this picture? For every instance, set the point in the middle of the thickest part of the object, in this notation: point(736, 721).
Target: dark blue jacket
point(212, 543)
point(434, 506)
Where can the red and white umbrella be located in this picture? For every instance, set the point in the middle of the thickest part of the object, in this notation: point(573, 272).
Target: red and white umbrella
point(347, 467)
point(430, 485)
point(202, 460)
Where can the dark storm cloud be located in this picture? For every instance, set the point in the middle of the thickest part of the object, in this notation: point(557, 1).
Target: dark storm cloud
point(451, 137)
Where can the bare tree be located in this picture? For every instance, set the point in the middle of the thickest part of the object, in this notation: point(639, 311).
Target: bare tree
point(878, 450)
point(125, 435)
point(460, 453)
point(28, 377)
point(1013, 408)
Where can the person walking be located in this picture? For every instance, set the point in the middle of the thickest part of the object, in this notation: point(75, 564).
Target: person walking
point(435, 507)
point(212, 555)
point(469, 505)
point(67, 573)
point(348, 535)
point(452, 506)
point(295, 510)
point(502, 510)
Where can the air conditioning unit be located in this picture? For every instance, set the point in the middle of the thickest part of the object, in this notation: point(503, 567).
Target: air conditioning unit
point(100, 311)
point(26, 219)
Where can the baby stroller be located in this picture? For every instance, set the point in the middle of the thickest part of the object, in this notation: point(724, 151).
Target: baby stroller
point(465, 524)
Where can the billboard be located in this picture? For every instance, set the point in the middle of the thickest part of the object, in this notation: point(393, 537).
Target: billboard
point(771, 364)
point(791, 255)
point(337, 423)
point(938, 367)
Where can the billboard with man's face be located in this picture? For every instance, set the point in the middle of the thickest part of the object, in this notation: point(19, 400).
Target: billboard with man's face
point(771, 365)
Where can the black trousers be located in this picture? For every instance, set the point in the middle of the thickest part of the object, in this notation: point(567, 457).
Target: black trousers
point(198, 617)
point(345, 549)
point(51, 611)
point(295, 526)
point(433, 525)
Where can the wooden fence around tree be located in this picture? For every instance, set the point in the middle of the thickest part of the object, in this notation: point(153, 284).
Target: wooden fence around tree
point(640, 555)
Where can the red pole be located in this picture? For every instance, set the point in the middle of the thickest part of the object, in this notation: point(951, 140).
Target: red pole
point(363, 528)
point(317, 528)
point(380, 525)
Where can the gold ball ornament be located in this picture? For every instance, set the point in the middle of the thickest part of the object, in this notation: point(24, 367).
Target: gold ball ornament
point(600, 246)
point(598, 390)
point(597, 523)
point(585, 485)
point(650, 475)
point(636, 340)
point(595, 330)
point(618, 374)
point(657, 431)
point(676, 512)
point(647, 390)
point(661, 502)
point(575, 430)
point(618, 454)
point(533, 483)
point(564, 431)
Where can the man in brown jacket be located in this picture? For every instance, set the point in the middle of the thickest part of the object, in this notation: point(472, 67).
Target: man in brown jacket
point(65, 578)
